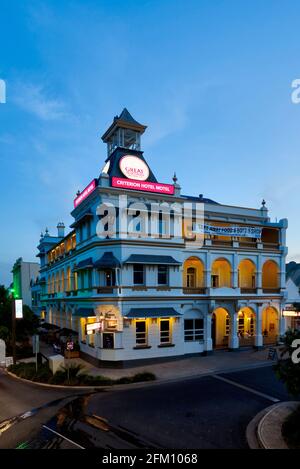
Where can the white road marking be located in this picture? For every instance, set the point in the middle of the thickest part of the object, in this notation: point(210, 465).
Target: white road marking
point(62, 436)
point(246, 388)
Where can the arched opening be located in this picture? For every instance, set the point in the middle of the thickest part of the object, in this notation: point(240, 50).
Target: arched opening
point(220, 328)
point(193, 276)
point(221, 274)
point(270, 276)
point(247, 276)
point(270, 325)
point(246, 327)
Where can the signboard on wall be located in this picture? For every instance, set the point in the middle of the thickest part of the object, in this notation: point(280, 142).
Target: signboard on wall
point(239, 231)
point(85, 193)
point(19, 309)
point(91, 328)
point(155, 187)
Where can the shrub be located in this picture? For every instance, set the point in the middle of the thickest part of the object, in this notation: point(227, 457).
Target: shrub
point(291, 429)
point(89, 380)
point(72, 376)
point(144, 376)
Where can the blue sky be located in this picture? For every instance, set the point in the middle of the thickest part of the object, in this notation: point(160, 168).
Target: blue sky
point(211, 79)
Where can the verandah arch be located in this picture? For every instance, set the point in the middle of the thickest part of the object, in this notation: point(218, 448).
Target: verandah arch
point(270, 325)
point(221, 273)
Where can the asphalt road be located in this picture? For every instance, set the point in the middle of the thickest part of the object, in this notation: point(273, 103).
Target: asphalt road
point(208, 412)
point(198, 413)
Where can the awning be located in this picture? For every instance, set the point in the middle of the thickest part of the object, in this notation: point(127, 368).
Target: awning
point(152, 313)
point(84, 312)
point(108, 260)
point(151, 259)
point(85, 264)
point(84, 217)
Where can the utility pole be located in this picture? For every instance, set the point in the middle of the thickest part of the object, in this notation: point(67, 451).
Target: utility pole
point(13, 334)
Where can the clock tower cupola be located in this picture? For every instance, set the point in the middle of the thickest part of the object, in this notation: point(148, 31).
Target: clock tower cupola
point(123, 140)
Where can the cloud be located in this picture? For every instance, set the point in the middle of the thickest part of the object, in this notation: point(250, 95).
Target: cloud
point(33, 98)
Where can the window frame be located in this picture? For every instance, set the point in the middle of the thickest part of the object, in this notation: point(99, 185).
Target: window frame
point(166, 273)
point(162, 333)
point(141, 271)
point(194, 332)
point(139, 335)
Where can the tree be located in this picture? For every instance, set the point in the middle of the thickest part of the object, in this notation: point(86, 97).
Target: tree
point(287, 368)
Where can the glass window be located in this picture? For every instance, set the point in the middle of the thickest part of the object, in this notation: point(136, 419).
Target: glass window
point(193, 330)
point(165, 336)
point(88, 229)
point(191, 277)
point(110, 278)
point(162, 275)
point(215, 281)
point(141, 333)
point(90, 278)
point(138, 274)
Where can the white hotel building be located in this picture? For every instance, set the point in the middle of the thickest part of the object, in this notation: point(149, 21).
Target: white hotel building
point(156, 297)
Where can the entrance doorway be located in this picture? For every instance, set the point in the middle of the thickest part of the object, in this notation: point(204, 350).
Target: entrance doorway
point(220, 328)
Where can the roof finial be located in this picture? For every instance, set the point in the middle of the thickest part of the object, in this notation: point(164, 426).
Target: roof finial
point(263, 203)
point(78, 193)
point(175, 179)
point(46, 232)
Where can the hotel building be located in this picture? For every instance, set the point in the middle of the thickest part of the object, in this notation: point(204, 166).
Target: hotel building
point(170, 294)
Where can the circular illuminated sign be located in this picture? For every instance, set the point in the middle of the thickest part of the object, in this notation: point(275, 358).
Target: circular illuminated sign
point(134, 168)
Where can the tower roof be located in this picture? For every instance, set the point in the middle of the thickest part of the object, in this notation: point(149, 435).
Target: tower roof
point(125, 121)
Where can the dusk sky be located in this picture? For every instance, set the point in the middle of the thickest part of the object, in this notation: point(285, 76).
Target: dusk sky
point(211, 79)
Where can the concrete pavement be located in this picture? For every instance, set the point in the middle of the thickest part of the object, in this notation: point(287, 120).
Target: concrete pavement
point(221, 360)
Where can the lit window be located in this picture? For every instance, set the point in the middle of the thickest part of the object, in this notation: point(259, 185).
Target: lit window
point(141, 333)
point(193, 330)
point(165, 335)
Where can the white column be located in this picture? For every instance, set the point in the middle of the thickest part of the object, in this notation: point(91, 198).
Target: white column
point(234, 273)
point(282, 275)
point(208, 345)
point(258, 327)
point(208, 271)
point(259, 273)
point(233, 337)
point(282, 322)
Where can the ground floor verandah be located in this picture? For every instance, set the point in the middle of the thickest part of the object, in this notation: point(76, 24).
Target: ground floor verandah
point(110, 333)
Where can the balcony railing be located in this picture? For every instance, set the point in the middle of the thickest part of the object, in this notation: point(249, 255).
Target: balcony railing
point(194, 291)
point(105, 290)
point(271, 290)
point(248, 290)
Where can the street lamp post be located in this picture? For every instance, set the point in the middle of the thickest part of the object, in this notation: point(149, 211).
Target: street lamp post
point(14, 349)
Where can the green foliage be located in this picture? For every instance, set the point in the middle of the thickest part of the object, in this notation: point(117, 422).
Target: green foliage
point(137, 378)
point(291, 429)
point(73, 377)
point(4, 333)
point(25, 327)
point(28, 371)
point(286, 370)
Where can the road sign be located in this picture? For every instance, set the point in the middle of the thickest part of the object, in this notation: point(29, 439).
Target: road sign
point(36, 343)
point(9, 361)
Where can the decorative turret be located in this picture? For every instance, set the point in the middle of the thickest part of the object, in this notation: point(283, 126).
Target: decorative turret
point(125, 158)
point(124, 132)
